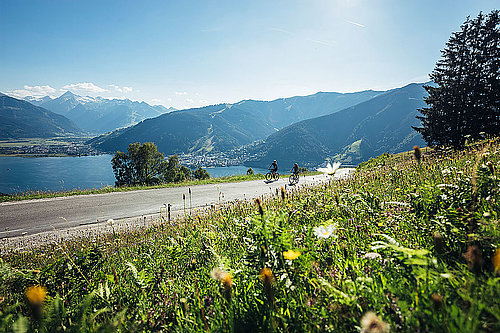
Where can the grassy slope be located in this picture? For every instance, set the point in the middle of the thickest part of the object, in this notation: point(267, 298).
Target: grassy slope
point(418, 219)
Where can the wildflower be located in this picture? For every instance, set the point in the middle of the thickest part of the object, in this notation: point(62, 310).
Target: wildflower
point(474, 258)
point(36, 295)
point(291, 255)
point(439, 243)
point(491, 167)
point(372, 255)
point(267, 278)
point(330, 168)
point(437, 300)
point(496, 261)
point(446, 172)
point(258, 202)
point(110, 222)
point(324, 232)
point(282, 193)
point(224, 278)
point(417, 152)
point(371, 323)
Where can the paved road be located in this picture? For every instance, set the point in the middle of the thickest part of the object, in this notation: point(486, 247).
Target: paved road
point(31, 217)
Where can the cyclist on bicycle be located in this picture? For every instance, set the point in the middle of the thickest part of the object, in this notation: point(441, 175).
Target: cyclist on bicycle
point(273, 167)
point(295, 169)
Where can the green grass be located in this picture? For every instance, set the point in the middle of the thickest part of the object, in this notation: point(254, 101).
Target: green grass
point(411, 242)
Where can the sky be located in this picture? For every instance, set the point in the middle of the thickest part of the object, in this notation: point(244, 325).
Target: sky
point(185, 53)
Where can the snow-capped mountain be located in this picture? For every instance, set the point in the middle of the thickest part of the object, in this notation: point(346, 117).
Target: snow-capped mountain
point(99, 115)
point(66, 102)
point(37, 100)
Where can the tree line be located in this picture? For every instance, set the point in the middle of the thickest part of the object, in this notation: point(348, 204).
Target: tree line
point(143, 164)
point(464, 96)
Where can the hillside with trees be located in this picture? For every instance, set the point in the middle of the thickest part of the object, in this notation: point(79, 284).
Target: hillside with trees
point(21, 119)
point(224, 127)
point(381, 124)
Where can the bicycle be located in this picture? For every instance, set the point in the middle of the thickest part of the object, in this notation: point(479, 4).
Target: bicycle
point(272, 176)
point(293, 179)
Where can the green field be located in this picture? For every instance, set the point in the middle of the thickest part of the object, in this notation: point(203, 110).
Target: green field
point(402, 245)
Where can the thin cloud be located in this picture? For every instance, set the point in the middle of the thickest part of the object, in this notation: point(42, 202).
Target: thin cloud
point(323, 42)
point(181, 93)
point(189, 100)
point(35, 91)
point(356, 24)
point(283, 31)
point(121, 89)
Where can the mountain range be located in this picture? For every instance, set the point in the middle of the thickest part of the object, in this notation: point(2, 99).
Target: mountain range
point(350, 127)
point(98, 115)
point(224, 127)
point(306, 129)
point(355, 134)
point(21, 119)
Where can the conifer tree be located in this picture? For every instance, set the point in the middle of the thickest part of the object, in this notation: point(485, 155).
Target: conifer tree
point(464, 97)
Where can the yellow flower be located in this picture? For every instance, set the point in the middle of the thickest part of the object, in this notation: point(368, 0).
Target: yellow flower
point(291, 255)
point(36, 294)
point(496, 260)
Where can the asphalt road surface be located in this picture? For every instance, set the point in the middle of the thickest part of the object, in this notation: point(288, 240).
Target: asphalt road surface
point(29, 217)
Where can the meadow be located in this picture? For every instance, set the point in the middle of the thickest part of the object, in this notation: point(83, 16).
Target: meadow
point(410, 242)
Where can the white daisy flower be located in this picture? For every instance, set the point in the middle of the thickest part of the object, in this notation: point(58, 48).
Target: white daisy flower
point(324, 232)
point(330, 168)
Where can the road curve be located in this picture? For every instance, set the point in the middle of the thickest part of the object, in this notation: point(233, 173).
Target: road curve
point(29, 217)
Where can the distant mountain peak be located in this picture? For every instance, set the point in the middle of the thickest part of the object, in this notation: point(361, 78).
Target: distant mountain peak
point(67, 94)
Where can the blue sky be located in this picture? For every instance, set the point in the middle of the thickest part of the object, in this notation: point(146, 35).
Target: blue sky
point(190, 53)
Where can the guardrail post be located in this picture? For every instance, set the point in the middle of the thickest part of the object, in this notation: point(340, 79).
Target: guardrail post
point(169, 212)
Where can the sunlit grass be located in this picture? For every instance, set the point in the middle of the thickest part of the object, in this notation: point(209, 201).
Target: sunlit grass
point(402, 245)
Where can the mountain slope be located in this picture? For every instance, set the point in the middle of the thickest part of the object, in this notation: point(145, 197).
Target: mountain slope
point(20, 119)
point(382, 124)
point(227, 126)
point(194, 130)
point(285, 111)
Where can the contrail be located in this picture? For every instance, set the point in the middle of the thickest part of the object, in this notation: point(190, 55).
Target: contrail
point(355, 23)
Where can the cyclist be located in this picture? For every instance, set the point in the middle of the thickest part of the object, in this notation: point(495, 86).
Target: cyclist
point(295, 169)
point(273, 167)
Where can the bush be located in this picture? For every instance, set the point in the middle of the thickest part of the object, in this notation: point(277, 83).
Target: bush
point(250, 171)
point(200, 174)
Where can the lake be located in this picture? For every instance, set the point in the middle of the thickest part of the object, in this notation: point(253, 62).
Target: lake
point(21, 174)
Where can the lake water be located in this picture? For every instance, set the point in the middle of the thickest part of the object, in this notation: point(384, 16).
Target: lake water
point(20, 174)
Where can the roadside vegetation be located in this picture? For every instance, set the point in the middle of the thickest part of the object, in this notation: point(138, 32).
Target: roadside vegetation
point(410, 242)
